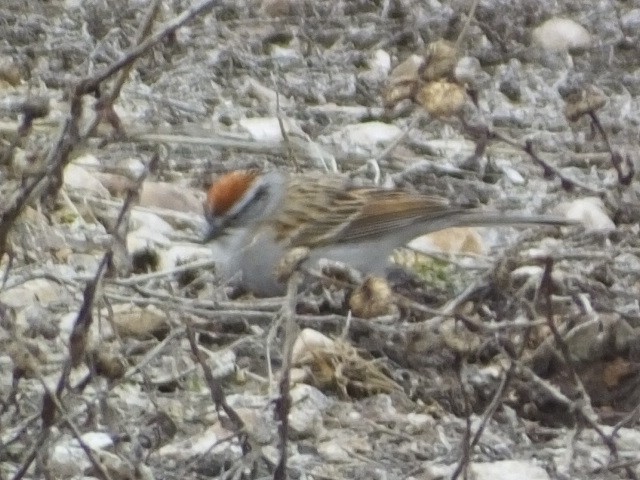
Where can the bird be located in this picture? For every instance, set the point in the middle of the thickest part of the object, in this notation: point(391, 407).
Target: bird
point(260, 216)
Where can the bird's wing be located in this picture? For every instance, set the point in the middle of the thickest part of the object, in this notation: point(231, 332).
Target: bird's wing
point(329, 212)
point(384, 211)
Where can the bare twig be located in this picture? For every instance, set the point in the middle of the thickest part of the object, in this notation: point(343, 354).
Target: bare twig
point(90, 84)
point(283, 131)
point(217, 393)
point(467, 22)
point(283, 402)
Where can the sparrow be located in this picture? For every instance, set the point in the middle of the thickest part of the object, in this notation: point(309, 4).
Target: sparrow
point(259, 217)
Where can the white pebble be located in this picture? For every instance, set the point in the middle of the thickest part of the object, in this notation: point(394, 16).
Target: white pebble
point(561, 34)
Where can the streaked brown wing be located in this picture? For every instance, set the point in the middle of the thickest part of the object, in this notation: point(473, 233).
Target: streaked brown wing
point(329, 212)
point(389, 210)
point(319, 211)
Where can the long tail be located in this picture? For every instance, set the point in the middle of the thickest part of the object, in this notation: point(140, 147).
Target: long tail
point(484, 218)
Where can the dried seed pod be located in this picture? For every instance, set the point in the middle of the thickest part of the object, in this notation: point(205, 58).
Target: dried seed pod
point(440, 61)
point(109, 365)
point(26, 356)
point(158, 430)
point(437, 64)
point(586, 100)
point(403, 81)
point(10, 73)
point(373, 298)
point(290, 262)
point(441, 98)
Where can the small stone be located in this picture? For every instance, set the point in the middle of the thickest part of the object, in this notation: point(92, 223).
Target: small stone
point(79, 179)
point(170, 196)
point(138, 322)
point(10, 72)
point(508, 470)
point(333, 452)
point(150, 221)
point(308, 341)
point(630, 22)
point(561, 35)
point(590, 212)
point(468, 70)
point(465, 240)
point(582, 102)
point(267, 129)
point(380, 62)
point(512, 175)
point(37, 291)
point(68, 459)
point(510, 82)
point(305, 420)
point(364, 137)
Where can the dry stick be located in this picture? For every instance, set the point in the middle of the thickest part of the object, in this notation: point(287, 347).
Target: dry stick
point(484, 134)
point(465, 27)
point(217, 393)
point(50, 180)
point(68, 136)
point(145, 277)
point(396, 141)
point(30, 110)
point(50, 405)
point(549, 170)
point(507, 376)
point(31, 455)
point(78, 337)
point(495, 402)
point(153, 353)
point(616, 158)
point(104, 106)
point(616, 466)
point(463, 464)
point(628, 418)
point(173, 215)
point(143, 32)
point(283, 402)
point(546, 287)
point(97, 465)
point(16, 433)
point(209, 138)
point(227, 306)
point(5, 276)
point(56, 159)
point(470, 443)
point(90, 84)
point(228, 318)
point(529, 375)
point(283, 130)
point(583, 410)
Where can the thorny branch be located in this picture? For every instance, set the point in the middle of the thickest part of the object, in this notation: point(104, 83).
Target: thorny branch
point(49, 180)
point(283, 402)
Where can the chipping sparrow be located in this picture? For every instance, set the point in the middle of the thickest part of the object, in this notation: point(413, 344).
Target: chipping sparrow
point(258, 217)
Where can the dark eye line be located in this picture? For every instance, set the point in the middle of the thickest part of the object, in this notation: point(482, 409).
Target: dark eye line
point(260, 192)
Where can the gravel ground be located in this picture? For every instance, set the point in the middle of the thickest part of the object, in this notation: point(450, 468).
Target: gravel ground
point(508, 353)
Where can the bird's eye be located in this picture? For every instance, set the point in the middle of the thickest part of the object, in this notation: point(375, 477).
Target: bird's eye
point(249, 208)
